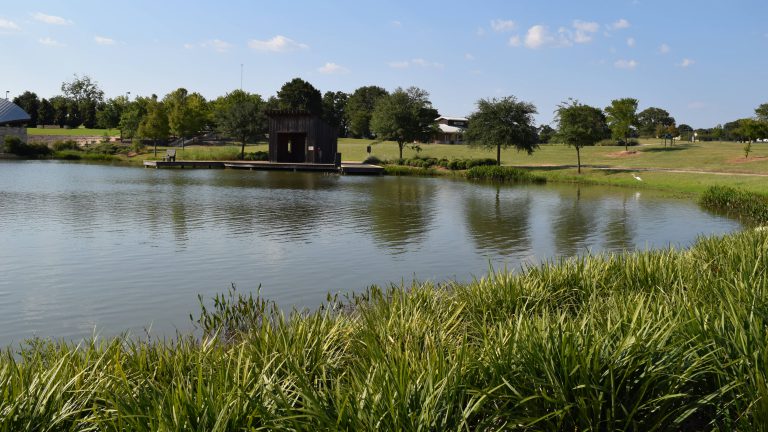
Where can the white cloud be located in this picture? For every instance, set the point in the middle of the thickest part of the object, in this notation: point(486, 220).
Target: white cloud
point(537, 37)
point(469, 56)
point(217, 44)
point(625, 64)
point(332, 68)
point(664, 48)
point(8, 25)
point(278, 43)
point(515, 41)
point(630, 42)
point(50, 42)
point(397, 24)
point(101, 40)
point(620, 24)
point(500, 26)
point(51, 19)
point(417, 62)
point(480, 31)
point(584, 31)
point(687, 62)
point(189, 46)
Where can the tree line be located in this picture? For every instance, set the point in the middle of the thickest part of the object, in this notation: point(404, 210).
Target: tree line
point(403, 116)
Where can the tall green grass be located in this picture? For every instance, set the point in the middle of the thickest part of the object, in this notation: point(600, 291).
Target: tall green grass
point(750, 205)
point(657, 340)
point(503, 174)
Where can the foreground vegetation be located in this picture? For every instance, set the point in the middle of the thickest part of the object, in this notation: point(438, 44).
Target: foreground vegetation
point(659, 340)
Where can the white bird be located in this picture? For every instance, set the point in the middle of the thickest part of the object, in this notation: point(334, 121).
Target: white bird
point(636, 177)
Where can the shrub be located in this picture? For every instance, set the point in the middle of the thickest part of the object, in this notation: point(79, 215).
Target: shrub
point(409, 170)
point(257, 156)
point(104, 148)
point(749, 205)
point(373, 160)
point(503, 174)
point(15, 146)
point(66, 145)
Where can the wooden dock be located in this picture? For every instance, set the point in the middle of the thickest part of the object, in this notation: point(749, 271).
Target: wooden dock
point(350, 168)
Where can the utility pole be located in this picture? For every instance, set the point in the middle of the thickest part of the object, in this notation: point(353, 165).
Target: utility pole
point(8, 91)
point(241, 76)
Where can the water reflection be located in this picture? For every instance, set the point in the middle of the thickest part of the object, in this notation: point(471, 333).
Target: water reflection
point(399, 212)
point(498, 222)
point(124, 248)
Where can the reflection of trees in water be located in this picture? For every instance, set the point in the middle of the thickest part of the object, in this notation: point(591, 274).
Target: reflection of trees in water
point(574, 222)
point(500, 225)
point(399, 212)
point(619, 228)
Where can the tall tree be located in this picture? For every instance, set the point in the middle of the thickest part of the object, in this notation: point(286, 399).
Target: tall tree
point(751, 129)
point(154, 126)
point(404, 116)
point(108, 117)
point(649, 118)
point(761, 112)
point(298, 94)
point(241, 116)
point(186, 113)
point(359, 110)
point(334, 107)
point(579, 125)
point(546, 133)
point(45, 113)
point(132, 116)
point(86, 95)
point(60, 106)
point(621, 118)
point(29, 102)
point(503, 123)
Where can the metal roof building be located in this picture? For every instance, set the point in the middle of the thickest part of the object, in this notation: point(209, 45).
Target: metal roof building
point(10, 113)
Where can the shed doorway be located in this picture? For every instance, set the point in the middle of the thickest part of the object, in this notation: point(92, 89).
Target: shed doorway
point(292, 147)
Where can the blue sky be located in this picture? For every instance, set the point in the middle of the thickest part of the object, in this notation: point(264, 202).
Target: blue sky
point(704, 61)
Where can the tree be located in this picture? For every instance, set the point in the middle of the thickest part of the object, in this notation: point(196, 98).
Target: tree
point(45, 113)
point(546, 133)
point(621, 118)
point(503, 123)
point(241, 116)
point(686, 132)
point(579, 125)
point(404, 116)
point(85, 95)
point(649, 118)
point(186, 113)
point(334, 106)
point(132, 116)
point(298, 94)
point(108, 117)
point(751, 129)
point(154, 126)
point(29, 102)
point(359, 109)
point(761, 112)
point(60, 106)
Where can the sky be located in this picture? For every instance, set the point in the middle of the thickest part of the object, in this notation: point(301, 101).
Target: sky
point(704, 61)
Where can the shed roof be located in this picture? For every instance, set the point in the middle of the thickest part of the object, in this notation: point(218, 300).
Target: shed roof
point(10, 112)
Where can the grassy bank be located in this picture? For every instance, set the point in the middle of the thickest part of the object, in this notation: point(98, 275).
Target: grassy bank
point(661, 340)
point(74, 132)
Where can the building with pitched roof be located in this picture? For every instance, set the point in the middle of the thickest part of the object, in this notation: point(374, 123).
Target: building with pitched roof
point(13, 121)
point(450, 130)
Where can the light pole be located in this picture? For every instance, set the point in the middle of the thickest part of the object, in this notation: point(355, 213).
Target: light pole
point(127, 96)
point(241, 76)
point(6, 94)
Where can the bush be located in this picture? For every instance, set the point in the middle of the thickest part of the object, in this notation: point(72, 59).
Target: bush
point(373, 160)
point(66, 145)
point(749, 205)
point(503, 174)
point(401, 170)
point(257, 156)
point(15, 146)
point(104, 148)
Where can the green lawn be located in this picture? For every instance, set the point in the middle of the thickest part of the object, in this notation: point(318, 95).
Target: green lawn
point(74, 132)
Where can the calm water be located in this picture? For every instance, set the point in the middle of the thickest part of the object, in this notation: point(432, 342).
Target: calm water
point(87, 248)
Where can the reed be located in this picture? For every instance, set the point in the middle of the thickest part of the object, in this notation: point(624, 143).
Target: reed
point(655, 340)
point(503, 174)
point(748, 205)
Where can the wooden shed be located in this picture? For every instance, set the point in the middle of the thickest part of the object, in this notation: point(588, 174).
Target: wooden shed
point(301, 137)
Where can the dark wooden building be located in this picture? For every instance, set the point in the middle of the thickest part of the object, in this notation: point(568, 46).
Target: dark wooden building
point(301, 137)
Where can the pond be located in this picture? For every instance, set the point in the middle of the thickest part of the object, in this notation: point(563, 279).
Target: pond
point(96, 249)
